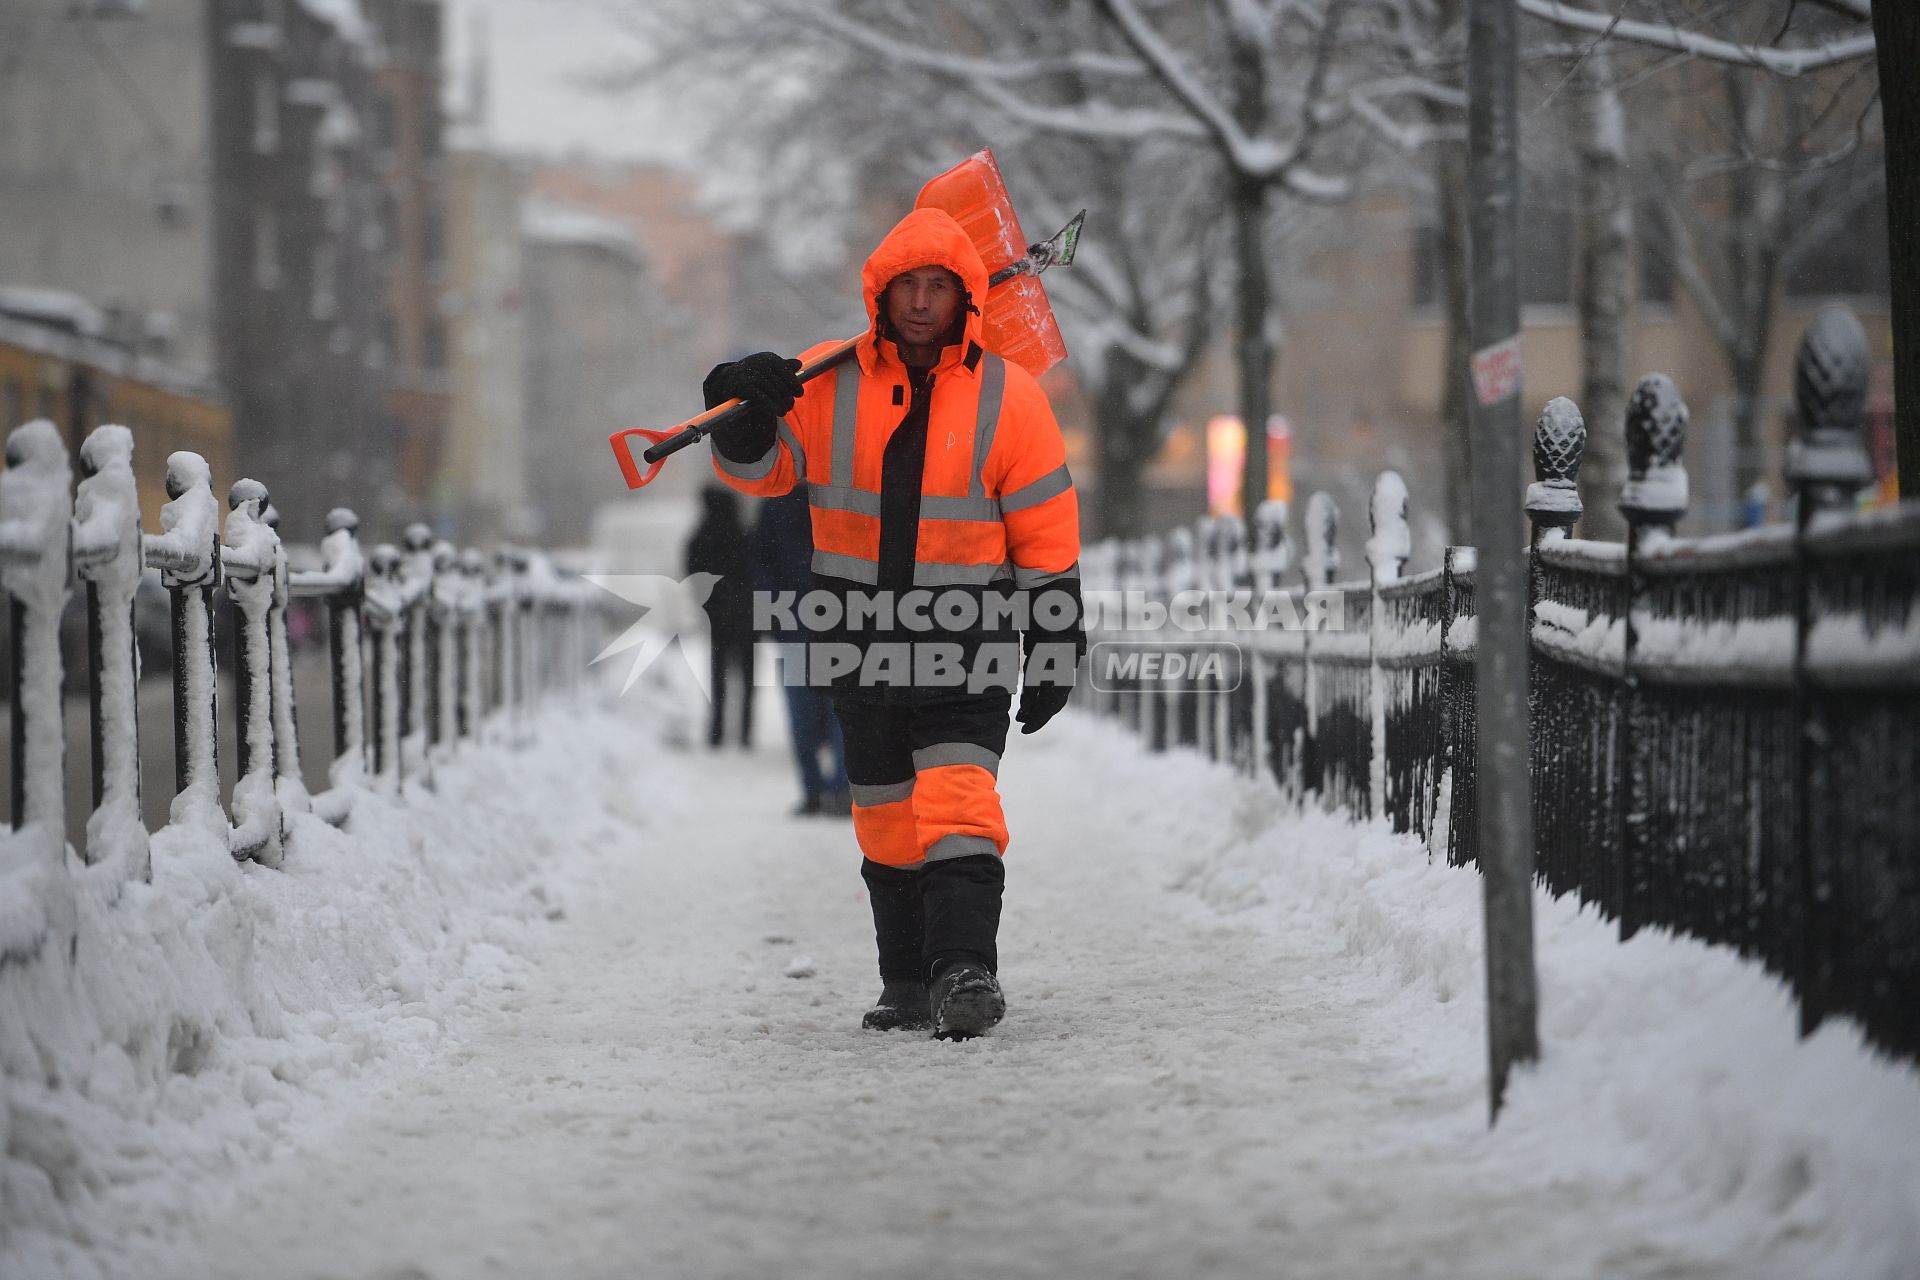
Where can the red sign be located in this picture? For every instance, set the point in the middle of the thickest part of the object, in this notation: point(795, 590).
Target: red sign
point(1496, 371)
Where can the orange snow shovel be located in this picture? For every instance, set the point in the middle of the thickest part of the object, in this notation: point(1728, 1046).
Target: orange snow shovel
point(1018, 321)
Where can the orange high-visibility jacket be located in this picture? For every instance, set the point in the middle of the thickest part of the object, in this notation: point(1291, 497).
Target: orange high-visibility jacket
point(997, 500)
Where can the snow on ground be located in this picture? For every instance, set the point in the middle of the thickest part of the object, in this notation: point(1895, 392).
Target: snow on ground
point(593, 1010)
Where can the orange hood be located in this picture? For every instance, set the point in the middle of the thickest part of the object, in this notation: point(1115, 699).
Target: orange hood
point(925, 238)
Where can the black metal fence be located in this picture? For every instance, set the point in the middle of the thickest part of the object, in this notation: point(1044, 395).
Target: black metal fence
point(431, 649)
point(1725, 730)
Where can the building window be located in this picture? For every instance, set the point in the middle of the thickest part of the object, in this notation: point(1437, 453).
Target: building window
point(266, 249)
point(266, 113)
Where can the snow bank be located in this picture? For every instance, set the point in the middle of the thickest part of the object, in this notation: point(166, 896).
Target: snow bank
point(171, 1044)
point(1671, 1071)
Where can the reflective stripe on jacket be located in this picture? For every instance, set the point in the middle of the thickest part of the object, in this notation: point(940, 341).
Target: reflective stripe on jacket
point(996, 499)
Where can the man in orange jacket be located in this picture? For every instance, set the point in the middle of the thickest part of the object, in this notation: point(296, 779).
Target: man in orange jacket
point(946, 544)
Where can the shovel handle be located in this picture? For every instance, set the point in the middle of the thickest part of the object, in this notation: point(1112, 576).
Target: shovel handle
point(666, 443)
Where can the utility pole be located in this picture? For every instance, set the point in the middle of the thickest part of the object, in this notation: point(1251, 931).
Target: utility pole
point(1505, 798)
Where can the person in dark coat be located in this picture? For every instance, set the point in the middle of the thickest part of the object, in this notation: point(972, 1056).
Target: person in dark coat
point(783, 561)
point(719, 546)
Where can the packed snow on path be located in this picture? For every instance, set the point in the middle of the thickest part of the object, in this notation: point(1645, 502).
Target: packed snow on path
point(592, 1009)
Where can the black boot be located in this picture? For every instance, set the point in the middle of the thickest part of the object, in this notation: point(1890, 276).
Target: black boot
point(898, 933)
point(961, 901)
point(966, 1001)
point(902, 1006)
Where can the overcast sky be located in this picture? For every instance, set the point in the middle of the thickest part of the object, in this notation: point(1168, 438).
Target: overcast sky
point(537, 48)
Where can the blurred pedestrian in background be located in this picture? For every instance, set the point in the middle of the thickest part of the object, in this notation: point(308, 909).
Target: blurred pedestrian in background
point(719, 546)
point(783, 561)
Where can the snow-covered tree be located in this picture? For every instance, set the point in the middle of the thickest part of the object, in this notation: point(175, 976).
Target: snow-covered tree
point(1774, 148)
point(1171, 111)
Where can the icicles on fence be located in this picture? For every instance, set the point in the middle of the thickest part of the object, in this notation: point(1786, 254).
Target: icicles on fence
point(107, 554)
point(34, 515)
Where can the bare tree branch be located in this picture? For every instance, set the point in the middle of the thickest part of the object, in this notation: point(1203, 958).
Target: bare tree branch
point(1668, 35)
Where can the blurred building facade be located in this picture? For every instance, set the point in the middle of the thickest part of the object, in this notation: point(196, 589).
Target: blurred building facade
point(249, 190)
point(589, 297)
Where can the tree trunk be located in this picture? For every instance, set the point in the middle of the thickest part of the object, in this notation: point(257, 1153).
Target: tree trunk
point(1758, 212)
point(1606, 299)
point(1896, 29)
point(1127, 444)
point(1749, 369)
point(1253, 298)
point(1456, 394)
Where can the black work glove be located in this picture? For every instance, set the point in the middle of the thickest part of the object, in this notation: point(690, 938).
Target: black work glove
point(1055, 640)
point(769, 383)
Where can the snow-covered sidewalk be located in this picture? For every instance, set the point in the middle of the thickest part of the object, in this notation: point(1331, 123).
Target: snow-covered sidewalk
point(1240, 1042)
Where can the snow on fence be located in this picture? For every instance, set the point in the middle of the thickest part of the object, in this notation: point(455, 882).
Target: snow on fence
point(433, 648)
point(1725, 730)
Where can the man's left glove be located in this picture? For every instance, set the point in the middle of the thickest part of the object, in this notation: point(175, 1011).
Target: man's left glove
point(769, 383)
point(1055, 640)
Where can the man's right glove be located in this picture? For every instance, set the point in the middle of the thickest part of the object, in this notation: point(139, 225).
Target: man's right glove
point(1054, 642)
point(769, 383)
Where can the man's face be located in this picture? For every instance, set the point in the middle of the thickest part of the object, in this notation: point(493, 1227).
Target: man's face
point(921, 305)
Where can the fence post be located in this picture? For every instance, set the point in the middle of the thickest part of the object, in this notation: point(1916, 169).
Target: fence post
point(187, 553)
point(1460, 744)
point(1320, 568)
point(526, 665)
point(1268, 563)
point(1553, 499)
point(346, 618)
point(341, 583)
point(416, 696)
point(1652, 500)
point(506, 653)
point(290, 784)
point(1553, 508)
point(473, 614)
point(1230, 535)
point(1206, 580)
point(248, 559)
point(444, 619)
point(1138, 589)
point(1827, 466)
point(1176, 576)
point(35, 511)
point(1388, 550)
point(385, 615)
point(106, 553)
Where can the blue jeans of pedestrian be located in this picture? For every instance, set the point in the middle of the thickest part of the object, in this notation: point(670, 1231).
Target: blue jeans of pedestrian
point(814, 726)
